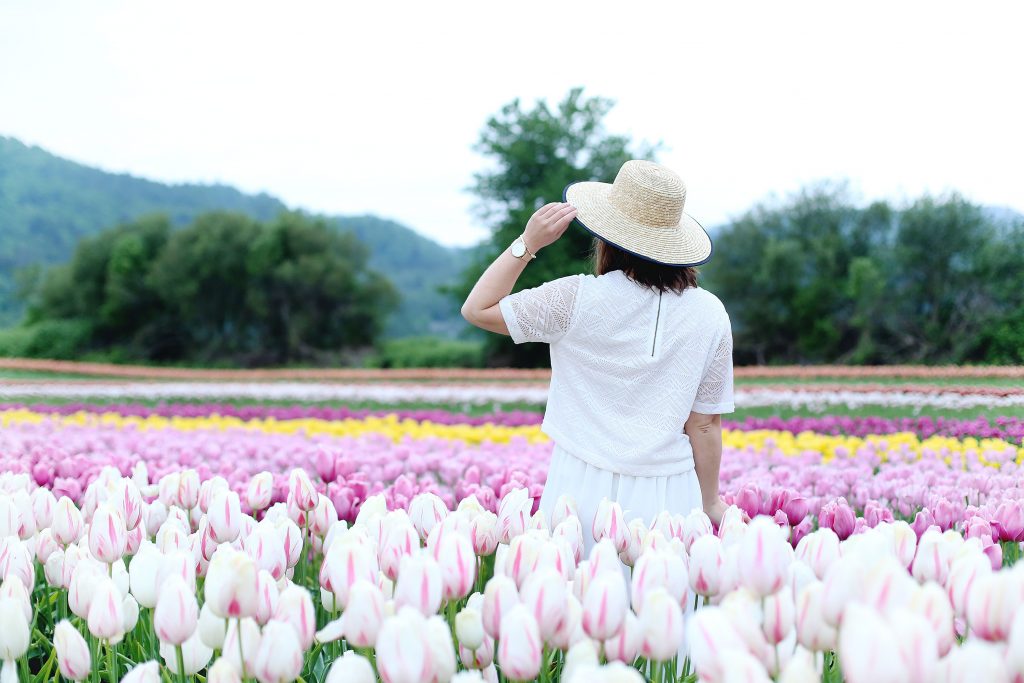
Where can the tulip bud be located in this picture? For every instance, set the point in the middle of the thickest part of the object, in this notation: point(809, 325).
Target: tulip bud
point(514, 513)
point(483, 533)
point(107, 534)
point(54, 568)
point(812, 631)
point(419, 584)
point(295, 607)
point(279, 659)
point(230, 587)
point(349, 560)
point(127, 500)
point(764, 557)
point(266, 546)
point(604, 606)
point(403, 648)
point(519, 648)
point(67, 522)
point(661, 626)
point(43, 506)
point(710, 633)
point(625, 645)
point(458, 566)
point(932, 560)
point(260, 491)
point(250, 637)
point(195, 655)
point(581, 657)
point(212, 629)
point(177, 613)
point(225, 516)
point(73, 657)
point(500, 595)
point(993, 603)
point(147, 672)
point(222, 671)
point(188, 489)
point(351, 668)
point(426, 510)
point(545, 595)
point(706, 561)
point(818, 550)
point(106, 611)
point(442, 653)
point(469, 628)
point(871, 648)
point(14, 636)
point(301, 490)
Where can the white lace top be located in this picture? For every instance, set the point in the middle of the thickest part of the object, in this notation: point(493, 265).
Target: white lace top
point(628, 365)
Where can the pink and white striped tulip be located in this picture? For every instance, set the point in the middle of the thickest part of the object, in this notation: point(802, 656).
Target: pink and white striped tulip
point(248, 632)
point(818, 550)
point(267, 596)
point(194, 653)
point(514, 514)
point(127, 500)
point(351, 667)
point(812, 631)
point(348, 560)
point(106, 611)
point(67, 522)
point(73, 658)
point(419, 584)
point(404, 654)
point(426, 510)
point(565, 507)
point(500, 596)
point(147, 672)
point(545, 595)
point(483, 533)
point(230, 584)
point(188, 489)
point(870, 647)
point(706, 560)
point(764, 557)
point(520, 646)
point(301, 490)
point(223, 671)
point(295, 607)
point(364, 614)
point(108, 536)
point(710, 633)
point(625, 645)
point(260, 491)
point(661, 626)
point(225, 516)
point(605, 605)
point(177, 612)
point(279, 659)
point(44, 504)
point(16, 632)
point(458, 565)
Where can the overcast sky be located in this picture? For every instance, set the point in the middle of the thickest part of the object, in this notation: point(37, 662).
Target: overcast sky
point(374, 107)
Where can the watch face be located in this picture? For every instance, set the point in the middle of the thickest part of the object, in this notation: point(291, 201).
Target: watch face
point(518, 248)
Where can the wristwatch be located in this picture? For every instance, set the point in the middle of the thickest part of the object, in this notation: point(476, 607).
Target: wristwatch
point(519, 249)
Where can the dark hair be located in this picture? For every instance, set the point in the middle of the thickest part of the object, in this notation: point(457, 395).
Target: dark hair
point(607, 257)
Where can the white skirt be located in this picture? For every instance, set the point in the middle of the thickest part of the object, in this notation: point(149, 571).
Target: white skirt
point(639, 497)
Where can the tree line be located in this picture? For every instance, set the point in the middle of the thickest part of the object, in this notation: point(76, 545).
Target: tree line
point(226, 289)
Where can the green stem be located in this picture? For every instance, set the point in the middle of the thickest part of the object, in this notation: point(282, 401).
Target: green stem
point(181, 663)
point(241, 656)
point(111, 669)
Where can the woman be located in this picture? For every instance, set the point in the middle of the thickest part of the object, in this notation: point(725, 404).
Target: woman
point(641, 357)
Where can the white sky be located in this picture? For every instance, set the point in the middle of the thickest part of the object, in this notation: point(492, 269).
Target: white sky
point(347, 108)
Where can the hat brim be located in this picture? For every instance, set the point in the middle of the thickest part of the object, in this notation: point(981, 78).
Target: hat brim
point(685, 244)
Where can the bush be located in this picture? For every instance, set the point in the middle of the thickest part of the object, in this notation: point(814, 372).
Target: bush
point(56, 339)
point(427, 352)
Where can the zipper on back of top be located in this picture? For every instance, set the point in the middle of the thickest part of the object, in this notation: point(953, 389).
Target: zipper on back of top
point(656, 320)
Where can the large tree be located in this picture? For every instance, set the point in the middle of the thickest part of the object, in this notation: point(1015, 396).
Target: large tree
point(532, 155)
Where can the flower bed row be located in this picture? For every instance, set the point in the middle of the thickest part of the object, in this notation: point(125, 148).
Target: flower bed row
point(1006, 428)
point(148, 582)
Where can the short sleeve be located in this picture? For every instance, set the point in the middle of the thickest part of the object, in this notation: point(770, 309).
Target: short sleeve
point(543, 313)
point(715, 392)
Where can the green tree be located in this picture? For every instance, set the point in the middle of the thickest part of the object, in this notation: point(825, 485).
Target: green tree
point(533, 154)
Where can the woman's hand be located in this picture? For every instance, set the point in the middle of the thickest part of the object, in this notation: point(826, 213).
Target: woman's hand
point(717, 509)
point(547, 224)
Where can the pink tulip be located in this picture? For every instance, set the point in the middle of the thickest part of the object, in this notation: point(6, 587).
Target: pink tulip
point(188, 489)
point(520, 646)
point(267, 596)
point(483, 533)
point(73, 657)
point(838, 516)
point(922, 521)
point(177, 613)
point(1009, 521)
point(604, 606)
point(400, 540)
point(993, 604)
point(127, 500)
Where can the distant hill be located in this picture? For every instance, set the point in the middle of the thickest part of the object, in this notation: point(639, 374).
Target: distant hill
point(47, 204)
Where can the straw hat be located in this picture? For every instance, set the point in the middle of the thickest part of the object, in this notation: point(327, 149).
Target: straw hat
point(642, 213)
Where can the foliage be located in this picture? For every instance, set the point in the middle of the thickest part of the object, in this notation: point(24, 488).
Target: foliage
point(534, 154)
point(817, 279)
point(225, 288)
point(428, 352)
point(49, 204)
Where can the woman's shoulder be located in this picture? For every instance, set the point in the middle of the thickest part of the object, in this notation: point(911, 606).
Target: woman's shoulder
point(707, 301)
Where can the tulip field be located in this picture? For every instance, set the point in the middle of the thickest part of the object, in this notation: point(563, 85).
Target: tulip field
point(176, 527)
